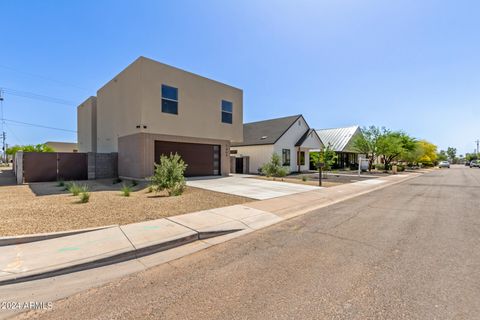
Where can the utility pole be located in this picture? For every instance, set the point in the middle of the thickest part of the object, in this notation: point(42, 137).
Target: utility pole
point(3, 134)
point(478, 143)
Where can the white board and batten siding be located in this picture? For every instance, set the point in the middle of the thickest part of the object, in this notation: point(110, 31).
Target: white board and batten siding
point(259, 155)
point(288, 141)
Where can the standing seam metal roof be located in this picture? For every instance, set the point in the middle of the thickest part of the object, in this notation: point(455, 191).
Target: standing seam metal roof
point(338, 138)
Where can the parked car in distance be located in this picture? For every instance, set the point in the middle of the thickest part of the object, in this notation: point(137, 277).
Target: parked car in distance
point(475, 163)
point(444, 164)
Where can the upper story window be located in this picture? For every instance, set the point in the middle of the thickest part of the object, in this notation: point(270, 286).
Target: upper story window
point(169, 99)
point(227, 112)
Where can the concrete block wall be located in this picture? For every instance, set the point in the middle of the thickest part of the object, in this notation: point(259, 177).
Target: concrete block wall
point(102, 165)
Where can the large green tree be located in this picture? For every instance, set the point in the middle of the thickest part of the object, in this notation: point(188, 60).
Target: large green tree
point(367, 143)
point(393, 144)
point(452, 154)
point(29, 148)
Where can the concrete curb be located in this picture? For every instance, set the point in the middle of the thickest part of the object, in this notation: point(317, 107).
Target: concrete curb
point(134, 253)
point(8, 241)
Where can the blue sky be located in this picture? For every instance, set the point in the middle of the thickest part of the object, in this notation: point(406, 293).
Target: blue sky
point(410, 65)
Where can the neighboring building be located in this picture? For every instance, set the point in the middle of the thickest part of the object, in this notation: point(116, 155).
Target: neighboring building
point(150, 109)
point(62, 146)
point(340, 140)
point(290, 137)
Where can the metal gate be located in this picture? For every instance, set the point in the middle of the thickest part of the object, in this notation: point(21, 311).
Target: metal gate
point(53, 166)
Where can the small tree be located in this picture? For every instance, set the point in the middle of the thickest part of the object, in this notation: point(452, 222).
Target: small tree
point(452, 154)
point(367, 143)
point(274, 168)
point(169, 175)
point(328, 157)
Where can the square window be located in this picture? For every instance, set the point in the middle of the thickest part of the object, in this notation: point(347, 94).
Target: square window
point(169, 106)
point(227, 117)
point(169, 92)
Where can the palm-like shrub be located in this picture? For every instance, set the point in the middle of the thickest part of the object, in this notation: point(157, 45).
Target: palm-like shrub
point(169, 175)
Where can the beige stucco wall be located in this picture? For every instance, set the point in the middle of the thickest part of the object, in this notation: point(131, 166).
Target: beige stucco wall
point(136, 153)
point(62, 146)
point(87, 125)
point(133, 98)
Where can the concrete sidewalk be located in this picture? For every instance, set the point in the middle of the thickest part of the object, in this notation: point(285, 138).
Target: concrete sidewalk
point(52, 257)
point(62, 255)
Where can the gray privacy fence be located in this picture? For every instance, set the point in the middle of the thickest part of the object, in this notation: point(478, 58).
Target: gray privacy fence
point(53, 166)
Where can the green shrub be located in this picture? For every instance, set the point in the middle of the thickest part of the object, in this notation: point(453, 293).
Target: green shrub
point(60, 183)
point(400, 167)
point(67, 185)
point(304, 178)
point(274, 167)
point(126, 190)
point(84, 197)
point(74, 189)
point(379, 167)
point(169, 175)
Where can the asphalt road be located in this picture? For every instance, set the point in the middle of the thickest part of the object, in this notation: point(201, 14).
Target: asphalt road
point(410, 251)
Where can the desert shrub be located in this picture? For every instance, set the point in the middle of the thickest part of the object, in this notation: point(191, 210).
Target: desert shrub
point(400, 167)
point(126, 190)
point(273, 168)
point(74, 189)
point(169, 175)
point(379, 167)
point(84, 197)
point(67, 185)
point(304, 178)
point(150, 189)
point(60, 183)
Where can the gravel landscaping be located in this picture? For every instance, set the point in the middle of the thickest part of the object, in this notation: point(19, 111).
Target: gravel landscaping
point(44, 207)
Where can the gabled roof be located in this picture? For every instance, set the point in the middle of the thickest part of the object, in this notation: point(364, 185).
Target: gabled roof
point(338, 138)
point(267, 131)
point(305, 136)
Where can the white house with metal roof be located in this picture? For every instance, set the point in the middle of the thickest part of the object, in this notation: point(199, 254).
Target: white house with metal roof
point(290, 137)
point(341, 141)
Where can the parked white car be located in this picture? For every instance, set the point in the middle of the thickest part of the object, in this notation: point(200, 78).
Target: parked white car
point(444, 164)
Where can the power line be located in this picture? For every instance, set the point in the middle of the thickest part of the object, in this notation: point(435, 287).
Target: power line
point(43, 77)
point(35, 96)
point(39, 126)
point(13, 133)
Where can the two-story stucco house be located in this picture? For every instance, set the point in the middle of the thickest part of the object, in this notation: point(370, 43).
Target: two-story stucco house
point(150, 109)
point(290, 137)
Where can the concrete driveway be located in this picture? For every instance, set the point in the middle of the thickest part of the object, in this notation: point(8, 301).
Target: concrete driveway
point(247, 186)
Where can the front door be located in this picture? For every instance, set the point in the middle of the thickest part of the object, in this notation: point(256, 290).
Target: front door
point(238, 165)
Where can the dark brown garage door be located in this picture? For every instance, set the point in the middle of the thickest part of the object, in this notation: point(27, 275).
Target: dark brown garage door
point(202, 159)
